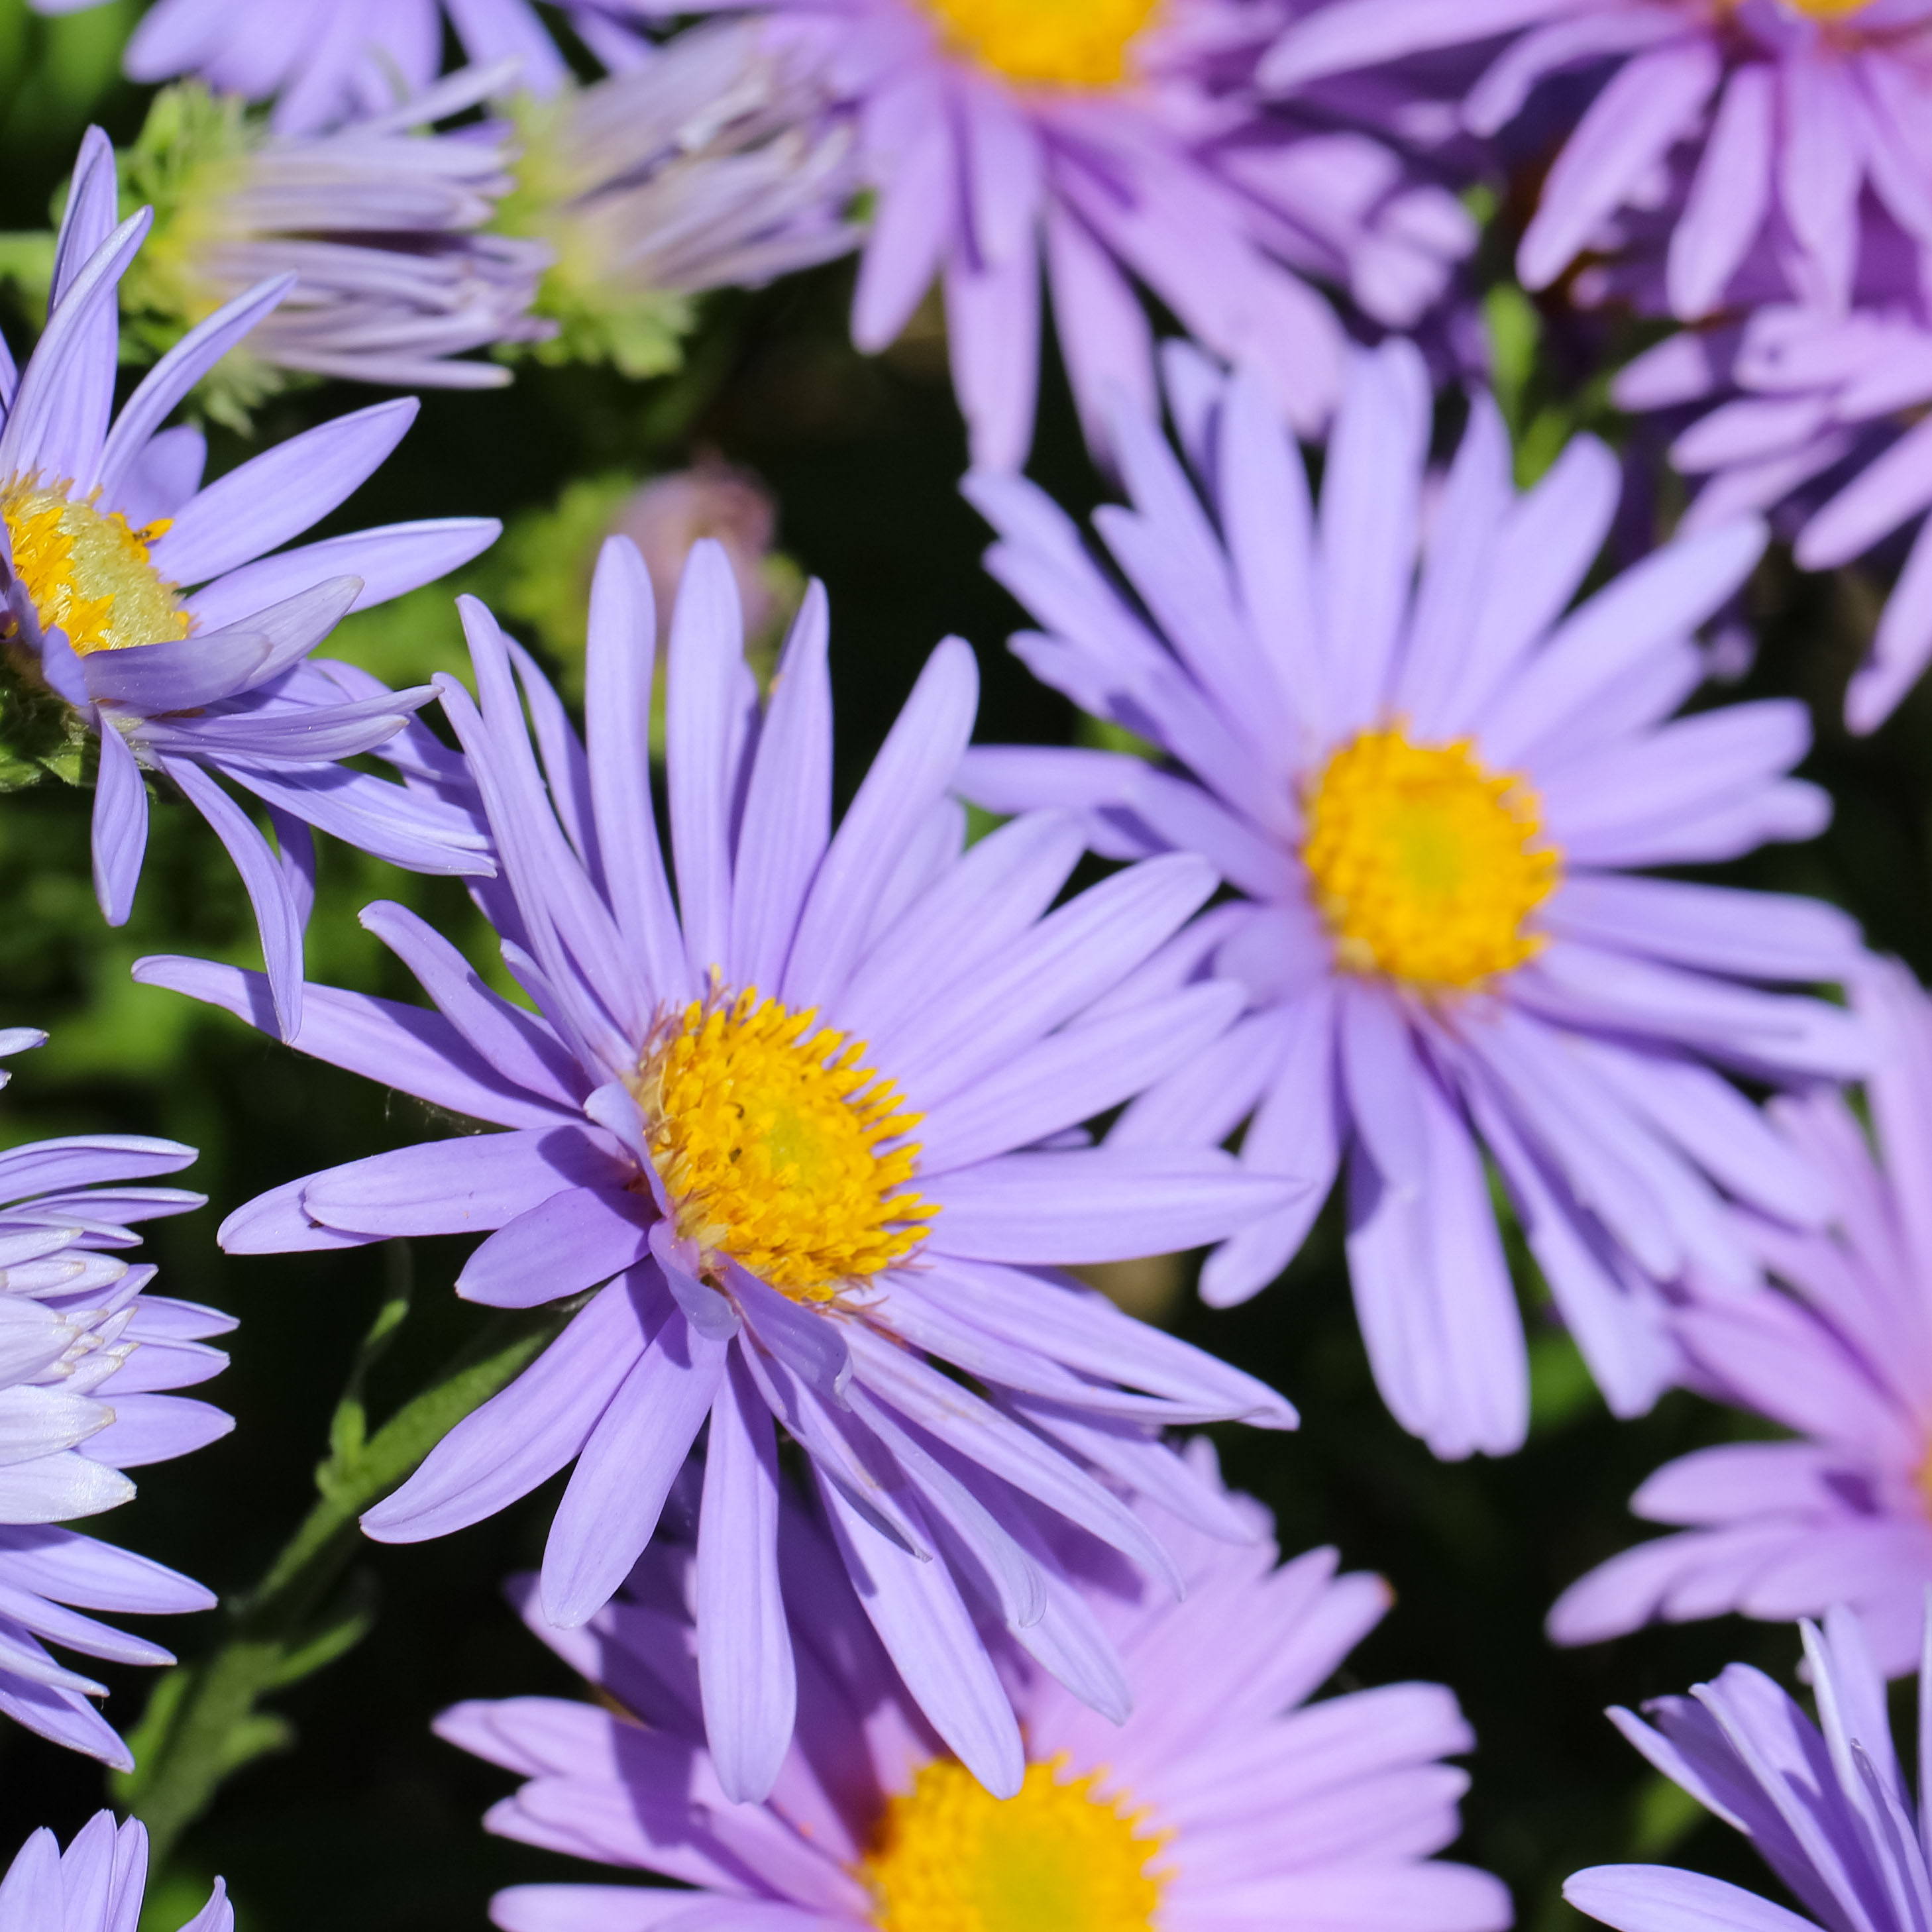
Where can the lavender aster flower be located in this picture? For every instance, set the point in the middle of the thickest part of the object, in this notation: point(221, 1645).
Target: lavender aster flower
point(1792, 109)
point(1826, 1805)
point(378, 221)
point(1433, 794)
point(1842, 1514)
point(84, 1355)
point(810, 1135)
point(1226, 1798)
point(714, 163)
point(95, 1885)
point(106, 524)
point(1111, 145)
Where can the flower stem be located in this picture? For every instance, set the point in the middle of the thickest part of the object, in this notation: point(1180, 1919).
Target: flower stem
point(203, 1722)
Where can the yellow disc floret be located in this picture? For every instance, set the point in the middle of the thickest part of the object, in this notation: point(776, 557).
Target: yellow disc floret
point(1425, 864)
point(1046, 43)
point(87, 571)
point(1829, 10)
point(781, 1149)
point(1057, 1857)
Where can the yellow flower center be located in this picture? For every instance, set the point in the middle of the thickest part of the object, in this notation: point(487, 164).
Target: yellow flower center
point(87, 571)
point(1057, 1857)
point(780, 1148)
point(1828, 10)
point(1046, 43)
point(1425, 865)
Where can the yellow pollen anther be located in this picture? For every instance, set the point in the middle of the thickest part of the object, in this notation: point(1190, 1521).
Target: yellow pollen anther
point(1426, 864)
point(1046, 43)
point(87, 571)
point(1057, 1857)
point(780, 1148)
point(1828, 10)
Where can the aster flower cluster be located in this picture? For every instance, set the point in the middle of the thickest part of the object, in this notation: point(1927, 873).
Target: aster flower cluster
point(1404, 904)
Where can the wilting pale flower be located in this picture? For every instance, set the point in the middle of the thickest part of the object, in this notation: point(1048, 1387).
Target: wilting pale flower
point(84, 1357)
point(324, 61)
point(1226, 1798)
point(1843, 1514)
point(1433, 792)
point(1826, 1805)
point(713, 164)
point(810, 1140)
point(1821, 421)
point(106, 653)
point(97, 1884)
point(1107, 145)
point(379, 221)
point(1793, 111)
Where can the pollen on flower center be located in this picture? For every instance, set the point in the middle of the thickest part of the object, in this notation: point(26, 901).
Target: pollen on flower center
point(780, 1148)
point(1056, 1857)
point(1425, 864)
point(87, 570)
point(1829, 10)
point(1046, 43)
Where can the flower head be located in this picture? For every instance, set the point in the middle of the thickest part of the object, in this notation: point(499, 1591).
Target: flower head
point(1106, 144)
point(96, 1884)
point(810, 1139)
point(379, 222)
point(1826, 1805)
point(145, 631)
point(1785, 116)
point(84, 1355)
point(1432, 792)
point(1225, 1798)
point(1842, 1514)
point(715, 164)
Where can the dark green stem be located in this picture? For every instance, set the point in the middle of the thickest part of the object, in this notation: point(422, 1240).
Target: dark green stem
point(203, 1722)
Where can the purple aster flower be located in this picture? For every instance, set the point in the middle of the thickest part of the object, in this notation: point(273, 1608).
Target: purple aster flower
point(325, 61)
point(808, 1140)
point(1785, 113)
point(1842, 1513)
point(1818, 419)
point(379, 221)
point(85, 1356)
point(1826, 1805)
point(1111, 146)
point(1225, 1798)
point(97, 1884)
point(1432, 792)
point(106, 525)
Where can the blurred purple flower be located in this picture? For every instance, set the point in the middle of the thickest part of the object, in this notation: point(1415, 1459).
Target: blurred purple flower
point(693, 1111)
point(103, 525)
point(1820, 419)
point(97, 1884)
point(1113, 145)
point(379, 221)
point(1843, 1514)
point(84, 1354)
point(327, 61)
point(1430, 794)
point(1793, 110)
point(711, 499)
point(1826, 1805)
point(1224, 1799)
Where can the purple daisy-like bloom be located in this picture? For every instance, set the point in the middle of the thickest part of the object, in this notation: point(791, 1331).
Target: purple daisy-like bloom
point(1107, 146)
point(1818, 419)
point(1826, 1805)
point(325, 61)
point(103, 525)
point(810, 1137)
point(1432, 791)
point(86, 1358)
point(1791, 111)
point(97, 1884)
point(1843, 1514)
point(1226, 1799)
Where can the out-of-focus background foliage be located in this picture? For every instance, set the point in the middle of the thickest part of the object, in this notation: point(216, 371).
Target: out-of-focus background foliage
point(368, 1821)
